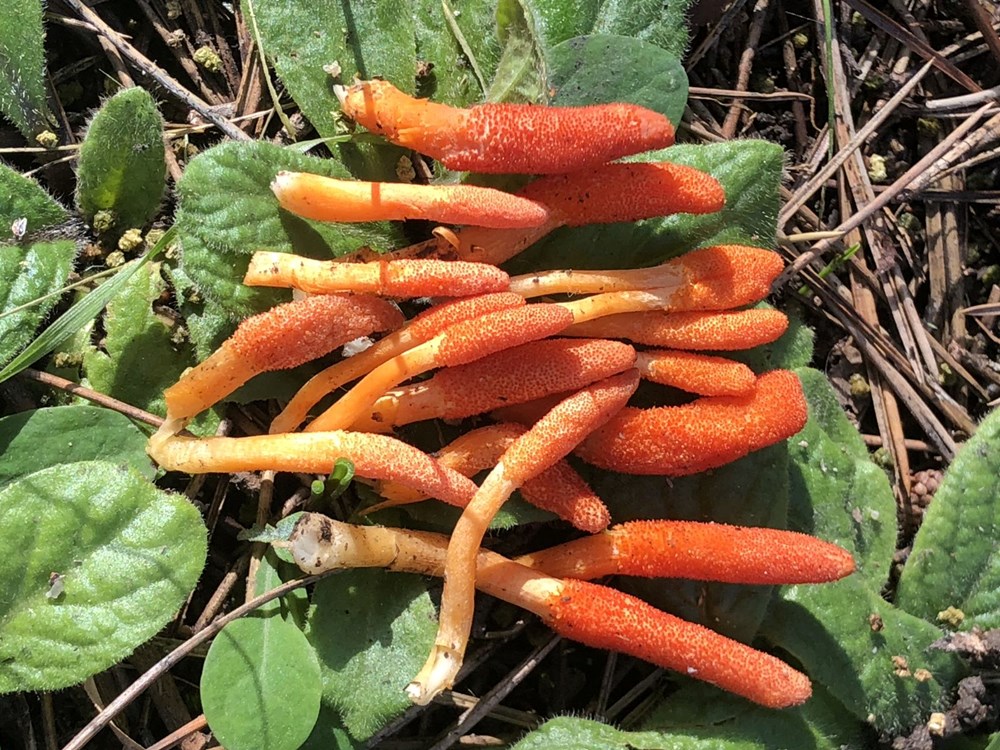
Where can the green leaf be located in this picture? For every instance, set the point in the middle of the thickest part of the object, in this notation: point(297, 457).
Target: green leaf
point(606, 68)
point(955, 560)
point(31, 274)
point(836, 490)
point(273, 571)
point(750, 172)
point(37, 439)
point(27, 274)
point(371, 38)
point(23, 198)
point(700, 716)
point(260, 686)
point(82, 313)
point(520, 74)
point(329, 732)
point(122, 167)
point(22, 66)
point(567, 733)
point(140, 359)
point(750, 492)
point(128, 555)
point(828, 629)
point(452, 77)
point(227, 211)
point(846, 636)
point(660, 22)
point(372, 631)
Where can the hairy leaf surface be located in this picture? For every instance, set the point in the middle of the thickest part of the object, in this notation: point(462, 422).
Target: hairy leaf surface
point(955, 560)
point(103, 561)
point(34, 440)
point(122, 167)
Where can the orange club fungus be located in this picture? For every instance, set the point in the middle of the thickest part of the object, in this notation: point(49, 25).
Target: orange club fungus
point(491, 348)
point(506, 138)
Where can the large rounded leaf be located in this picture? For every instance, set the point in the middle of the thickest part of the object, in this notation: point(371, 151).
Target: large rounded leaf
point(98, 561)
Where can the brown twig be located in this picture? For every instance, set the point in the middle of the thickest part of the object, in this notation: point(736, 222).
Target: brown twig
point(732, 120)
point(75, 389)
point(164, 79)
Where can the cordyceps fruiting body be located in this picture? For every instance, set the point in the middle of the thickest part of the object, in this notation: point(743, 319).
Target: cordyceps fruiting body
point(506, 138)
point(573, 345)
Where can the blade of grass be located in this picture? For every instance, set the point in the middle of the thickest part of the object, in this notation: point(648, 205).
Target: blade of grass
point(83, 311)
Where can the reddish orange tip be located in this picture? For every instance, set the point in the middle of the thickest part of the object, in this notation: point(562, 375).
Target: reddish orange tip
point(507, 138)
point(626, 192)
point(707, 433)
point(604, 618)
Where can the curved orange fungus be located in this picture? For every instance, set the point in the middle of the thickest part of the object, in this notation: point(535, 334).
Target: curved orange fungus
point(491, 348)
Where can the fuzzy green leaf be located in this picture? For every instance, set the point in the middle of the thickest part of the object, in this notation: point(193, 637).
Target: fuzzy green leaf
point(955, 560)
point(660, 22)
point(839, 495)
point(606, 68)
point(837, 491)
point(22, 66)
point(699, 717)
point(37, 439)
point(141, 358)
point(521, 72)
point(128, 555)
point(227, 211)
point(750, 172)
point(366, 38)
point(372, 631)
point(27, 274)
point(122, 167)
point(828, 629)
point(260, 686)
point(32, 272)
point(23, 198)
point(451, 76)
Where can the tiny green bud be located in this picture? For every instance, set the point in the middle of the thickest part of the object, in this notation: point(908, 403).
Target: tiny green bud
point(208, 58)
point(153, 236)
point(859, 386)
point(63, 360)
point(130, 240)
point(952, 616)
point(928, 127)
point(883, 459)
point(946, 376)
point(103, 221)
point(908, 222)
point(47, 139)
point(876, 168)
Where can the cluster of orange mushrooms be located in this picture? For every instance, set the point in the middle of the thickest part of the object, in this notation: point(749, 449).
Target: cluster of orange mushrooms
point(556, 376)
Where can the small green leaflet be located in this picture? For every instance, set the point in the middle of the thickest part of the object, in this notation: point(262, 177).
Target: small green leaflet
point(122, 167)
